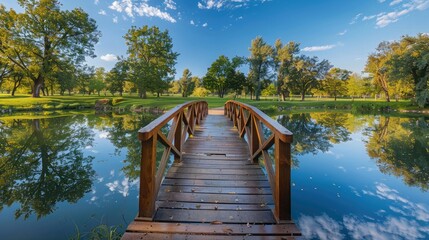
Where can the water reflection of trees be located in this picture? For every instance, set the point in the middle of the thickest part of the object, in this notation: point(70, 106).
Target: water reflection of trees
point(315, 132)
point(401, 147)
point(42, 163)
point(123, 133)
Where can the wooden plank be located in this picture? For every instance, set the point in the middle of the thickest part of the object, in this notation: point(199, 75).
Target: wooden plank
point(241, 177)
point(216, 171)
point(215, 229)
point(159, 236)
point(225, 190)
point(244, 165)
point(208, 216)
point(214, 206)
point(215, 183)
point(215, 198)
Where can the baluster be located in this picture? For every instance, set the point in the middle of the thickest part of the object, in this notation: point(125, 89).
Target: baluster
point(147, 178)
point(282, 187)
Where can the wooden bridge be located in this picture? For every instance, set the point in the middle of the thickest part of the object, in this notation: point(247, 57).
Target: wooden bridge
point(215, 189)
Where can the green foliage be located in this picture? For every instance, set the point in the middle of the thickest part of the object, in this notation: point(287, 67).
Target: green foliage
point(269, 91)
point(200, 92)
point(43, 35)
point(222, 76)
point(259, 61)
point(284, 56)
point(335, 83)
point(151, 59)
point(185, 83)
point(410, 60)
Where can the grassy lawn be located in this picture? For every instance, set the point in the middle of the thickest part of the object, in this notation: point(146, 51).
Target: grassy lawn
point(27, 103)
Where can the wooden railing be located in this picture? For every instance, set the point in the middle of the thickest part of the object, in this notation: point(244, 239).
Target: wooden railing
point(248, 121)
point(184, 117)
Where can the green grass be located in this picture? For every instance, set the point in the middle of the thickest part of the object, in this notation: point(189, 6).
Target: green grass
point(76, 102)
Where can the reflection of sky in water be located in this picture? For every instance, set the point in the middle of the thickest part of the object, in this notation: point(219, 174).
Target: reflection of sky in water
point(341, 194)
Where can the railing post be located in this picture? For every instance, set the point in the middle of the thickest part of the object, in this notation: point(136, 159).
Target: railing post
point(282, 191)
point(147, 178)
point(254, 142)
point(178, 136)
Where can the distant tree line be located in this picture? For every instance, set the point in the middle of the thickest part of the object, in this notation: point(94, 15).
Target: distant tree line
point(43, 50)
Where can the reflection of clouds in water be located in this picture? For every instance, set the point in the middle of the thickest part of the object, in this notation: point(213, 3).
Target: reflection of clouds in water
point(410, 222)
point(391, 228)
point(342, 168)
point(320, 227)
point(103, 135)
point(122, 188)
point(409, 209)
point(112, 172)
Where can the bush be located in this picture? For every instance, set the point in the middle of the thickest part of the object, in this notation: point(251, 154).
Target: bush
point(200, 92)
point(117, 100)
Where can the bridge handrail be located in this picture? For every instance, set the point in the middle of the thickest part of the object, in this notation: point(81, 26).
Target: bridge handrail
point(185, 117)
point(248, 120)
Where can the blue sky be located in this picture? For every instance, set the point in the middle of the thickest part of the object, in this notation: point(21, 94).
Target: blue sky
point(342, 31)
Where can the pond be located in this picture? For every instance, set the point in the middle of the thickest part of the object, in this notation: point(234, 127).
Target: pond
point(353, 176)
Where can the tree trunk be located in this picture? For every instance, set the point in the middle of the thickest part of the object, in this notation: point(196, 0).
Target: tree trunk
point(302, 96)
point(38, 83)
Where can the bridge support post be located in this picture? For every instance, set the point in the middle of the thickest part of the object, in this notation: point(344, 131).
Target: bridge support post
point(148, 178)
point(282, 191)
point(178, 137)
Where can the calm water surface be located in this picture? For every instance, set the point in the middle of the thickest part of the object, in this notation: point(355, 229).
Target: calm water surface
point(354, 176)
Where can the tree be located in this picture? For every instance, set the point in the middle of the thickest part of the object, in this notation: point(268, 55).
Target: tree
point(184, 82)
point(222, 75)
point(269, 91)
point(42, 35)
point(335, 82)
point(97, 82)
point(259, 62)
point(117, 77)
point(355, 86)
point(284, 56)
point(410, 60)
point(151, 58)
point(377, 66)
point(305, 72)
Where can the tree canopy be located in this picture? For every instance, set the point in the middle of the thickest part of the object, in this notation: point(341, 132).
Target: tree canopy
point(43, 35)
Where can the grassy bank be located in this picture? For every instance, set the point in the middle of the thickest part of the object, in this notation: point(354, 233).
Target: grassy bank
point(23, 103)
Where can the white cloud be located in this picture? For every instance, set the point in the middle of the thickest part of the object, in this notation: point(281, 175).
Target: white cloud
point(96, 2)
point(102, 12)
point(354, 20)
point(394, 2)
point(192, 22)
point(320, 227)
point(318, 48)
point(143, 9)
point(205, 25)
point(343, 32)
point(384, 19)
point(230, 4)
point(115, 19)
point(170, 4)
point(123, 188)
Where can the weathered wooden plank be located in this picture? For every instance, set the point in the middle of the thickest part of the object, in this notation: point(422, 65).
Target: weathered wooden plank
point(162, 236)
point(208, 216)
point(214, 206)
point(225, 190)
point(215, 183)
point(221, 165)
point(215, 229)
point(241, 177)
point(225, 170)
point(215, 198)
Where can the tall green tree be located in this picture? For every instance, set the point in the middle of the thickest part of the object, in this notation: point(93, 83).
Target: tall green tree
point(42, 35)
point(335, 83)
point(151, 58)
point(284, 56)
point(185, 82)
point(355, 86)
point(410, 60)
point(117, 77)
point(260, 61)
point(305, 73)
point(377, 66)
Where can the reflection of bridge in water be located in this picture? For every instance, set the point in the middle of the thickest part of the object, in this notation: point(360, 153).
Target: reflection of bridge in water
point(215, 188)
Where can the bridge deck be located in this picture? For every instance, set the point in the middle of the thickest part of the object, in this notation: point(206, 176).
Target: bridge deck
point(215, 192)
